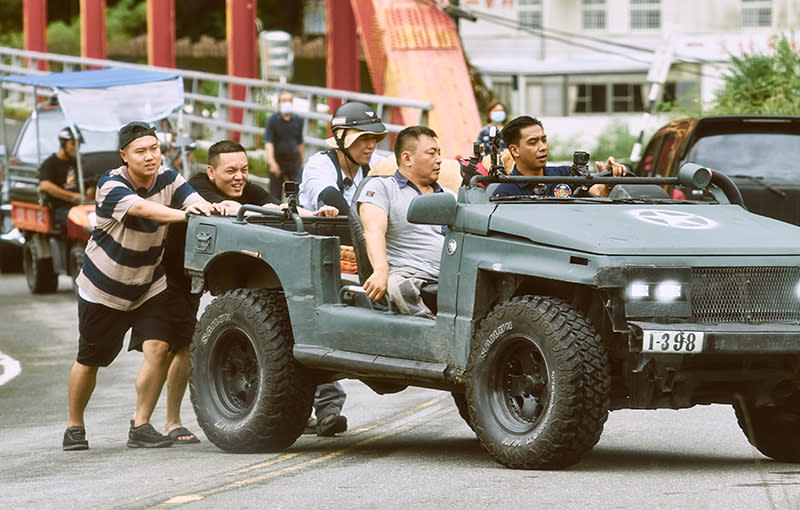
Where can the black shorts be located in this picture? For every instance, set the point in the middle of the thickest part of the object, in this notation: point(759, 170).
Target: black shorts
point(182, 306)
point(102, 329)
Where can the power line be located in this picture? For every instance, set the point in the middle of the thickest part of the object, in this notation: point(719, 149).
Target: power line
point(567, 38)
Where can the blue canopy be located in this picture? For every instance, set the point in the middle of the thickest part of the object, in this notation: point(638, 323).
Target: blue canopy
point(106, 99)
point(93, 79)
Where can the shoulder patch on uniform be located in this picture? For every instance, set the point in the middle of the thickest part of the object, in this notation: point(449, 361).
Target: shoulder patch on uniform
point(370, 193)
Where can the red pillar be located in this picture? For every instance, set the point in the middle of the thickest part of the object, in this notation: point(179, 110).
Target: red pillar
point(240, 18)
point(93, 29)
point(342, 69)
point(34, 27)
point(161, 33)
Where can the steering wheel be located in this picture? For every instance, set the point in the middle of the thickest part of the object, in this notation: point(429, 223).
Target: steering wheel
point(583, 191)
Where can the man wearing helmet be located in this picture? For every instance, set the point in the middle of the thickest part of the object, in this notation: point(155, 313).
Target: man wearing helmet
point(58, 178)
point(330, 177)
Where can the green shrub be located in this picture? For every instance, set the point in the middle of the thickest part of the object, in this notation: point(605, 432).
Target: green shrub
point(616, 141)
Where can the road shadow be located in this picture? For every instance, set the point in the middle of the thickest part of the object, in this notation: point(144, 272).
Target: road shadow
point(467, 450)
point(621, 460)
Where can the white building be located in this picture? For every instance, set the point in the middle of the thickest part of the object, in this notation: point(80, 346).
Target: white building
point(580, 64)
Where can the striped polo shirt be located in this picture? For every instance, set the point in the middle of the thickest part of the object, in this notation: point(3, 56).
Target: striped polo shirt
point(122, 265)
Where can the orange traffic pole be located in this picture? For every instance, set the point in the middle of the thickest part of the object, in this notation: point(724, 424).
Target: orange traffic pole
point(240, 17)
point(93, 29)
point(161, 33)
point(34, 27)
point(342, 69)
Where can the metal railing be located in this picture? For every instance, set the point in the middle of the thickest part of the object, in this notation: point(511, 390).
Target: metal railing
point(207, 110)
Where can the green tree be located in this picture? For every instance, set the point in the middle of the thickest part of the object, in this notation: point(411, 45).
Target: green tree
point(762, 83)
point(616, 141)
point(64, 38)
point(124, 20)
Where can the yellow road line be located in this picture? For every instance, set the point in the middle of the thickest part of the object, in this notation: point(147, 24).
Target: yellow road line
point(200, 495)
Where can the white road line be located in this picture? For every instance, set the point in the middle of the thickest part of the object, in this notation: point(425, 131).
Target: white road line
point(9, 368)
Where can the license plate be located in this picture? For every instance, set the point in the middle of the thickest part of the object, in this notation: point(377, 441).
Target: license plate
point(672, 342)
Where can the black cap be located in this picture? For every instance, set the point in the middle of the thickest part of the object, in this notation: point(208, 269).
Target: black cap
point(133, 130)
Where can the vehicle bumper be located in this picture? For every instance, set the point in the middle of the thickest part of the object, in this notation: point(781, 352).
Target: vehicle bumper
point(733, 338)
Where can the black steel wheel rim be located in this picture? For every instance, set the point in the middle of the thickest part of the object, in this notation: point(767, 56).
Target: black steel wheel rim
point(519, 385)
point(234, 373)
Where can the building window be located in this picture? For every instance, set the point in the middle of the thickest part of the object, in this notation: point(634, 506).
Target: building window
point(591, 99)
point(609, 98)
point(645, 14)
point(594, 14)
point(756, 13)
point(530, 14)
point(626, 97)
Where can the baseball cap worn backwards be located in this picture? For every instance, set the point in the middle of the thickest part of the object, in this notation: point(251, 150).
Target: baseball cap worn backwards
point(133, 130)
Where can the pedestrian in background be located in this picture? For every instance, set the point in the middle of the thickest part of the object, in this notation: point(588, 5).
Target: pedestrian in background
point(283, 145)
point(496, 117)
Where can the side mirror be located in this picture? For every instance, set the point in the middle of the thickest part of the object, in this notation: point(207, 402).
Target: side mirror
point(433, 209)
point(694, 176)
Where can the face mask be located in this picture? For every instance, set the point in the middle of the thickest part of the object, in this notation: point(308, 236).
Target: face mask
point(497, 116)
point(286, 108)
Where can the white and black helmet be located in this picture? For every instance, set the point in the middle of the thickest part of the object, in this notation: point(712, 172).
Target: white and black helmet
point(352, 120)
point(65, 135)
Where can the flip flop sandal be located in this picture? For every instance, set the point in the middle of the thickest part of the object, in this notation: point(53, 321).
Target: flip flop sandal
point(174, 434)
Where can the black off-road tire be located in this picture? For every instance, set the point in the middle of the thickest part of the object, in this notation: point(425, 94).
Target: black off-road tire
point(248, 391)
point(460, 400)
point(774, 431)
point(596, 381)
point(39, 272)
point(526, 378)
point(10, 258)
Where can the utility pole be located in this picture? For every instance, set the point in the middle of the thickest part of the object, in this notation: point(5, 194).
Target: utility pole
point(656, 77)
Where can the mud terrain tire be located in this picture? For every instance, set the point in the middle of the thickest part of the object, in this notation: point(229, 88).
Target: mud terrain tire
point(774, 431)
point(460, 400)
point(248, 391)
point(526, 378)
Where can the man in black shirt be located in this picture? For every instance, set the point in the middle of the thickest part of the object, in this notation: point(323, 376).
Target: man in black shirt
point(58, 178)
point(283, 144)
point(225, 181)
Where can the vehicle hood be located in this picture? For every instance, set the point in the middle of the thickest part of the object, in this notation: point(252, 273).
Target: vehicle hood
point(653, 229)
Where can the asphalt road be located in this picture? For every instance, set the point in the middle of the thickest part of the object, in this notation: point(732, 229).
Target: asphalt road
point(408, 450)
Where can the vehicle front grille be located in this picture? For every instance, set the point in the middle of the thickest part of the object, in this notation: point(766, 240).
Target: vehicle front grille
point(745, 294)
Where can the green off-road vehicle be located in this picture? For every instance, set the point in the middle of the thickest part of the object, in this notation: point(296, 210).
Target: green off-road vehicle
point(550, 312)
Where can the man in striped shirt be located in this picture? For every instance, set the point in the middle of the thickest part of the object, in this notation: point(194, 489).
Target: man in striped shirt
point(122, 284)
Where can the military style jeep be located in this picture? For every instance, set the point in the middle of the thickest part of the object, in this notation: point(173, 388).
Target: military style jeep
point(550, 312)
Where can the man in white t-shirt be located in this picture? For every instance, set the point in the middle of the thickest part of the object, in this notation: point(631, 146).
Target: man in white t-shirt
point(330, 177)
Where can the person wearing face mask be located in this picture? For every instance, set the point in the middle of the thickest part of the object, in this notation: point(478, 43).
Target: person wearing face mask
point(283, 144)
point(496, 115)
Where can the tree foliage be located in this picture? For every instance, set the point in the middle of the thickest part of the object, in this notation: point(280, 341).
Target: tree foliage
point(762, 83)
point(128, 18)
point(64, 38)
point(124, 20)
